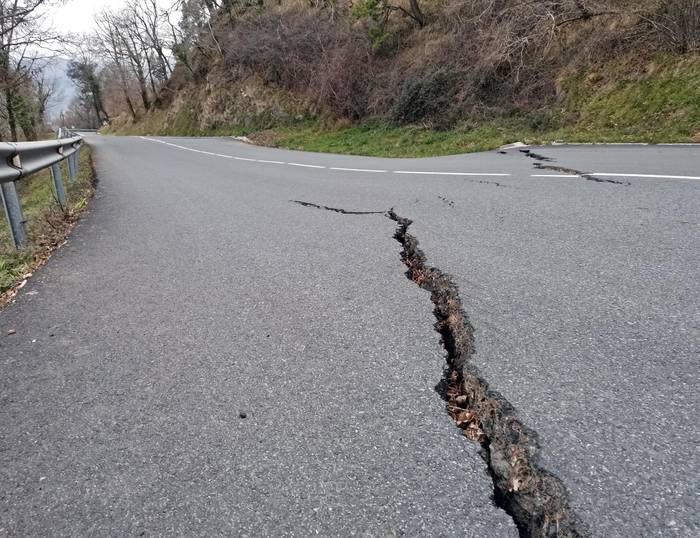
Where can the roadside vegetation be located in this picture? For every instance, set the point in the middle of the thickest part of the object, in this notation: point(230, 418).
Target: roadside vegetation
point(48, 224)
point(405, 77)
point(659, 104)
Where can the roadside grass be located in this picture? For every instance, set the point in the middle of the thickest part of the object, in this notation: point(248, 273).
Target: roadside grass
point(47, 223)
point(661, 104)
point(623, 102)
point(378, 139)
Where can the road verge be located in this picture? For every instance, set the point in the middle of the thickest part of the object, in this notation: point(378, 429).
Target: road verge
point(48, 223)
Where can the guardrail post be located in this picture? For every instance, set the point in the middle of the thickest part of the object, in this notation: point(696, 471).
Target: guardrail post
point(71, 167)
point(13, 212)
point(58, 185)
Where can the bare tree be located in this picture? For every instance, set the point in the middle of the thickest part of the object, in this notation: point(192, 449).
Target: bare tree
point(151, 23)
point(110, 42)
point(22, 36)
point(46, 91)
point(679, 22)
point(137, 42)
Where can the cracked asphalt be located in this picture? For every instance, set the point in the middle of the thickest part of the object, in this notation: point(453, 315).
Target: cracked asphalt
point(195, 293)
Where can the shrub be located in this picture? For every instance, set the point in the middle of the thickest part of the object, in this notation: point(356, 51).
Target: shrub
point(426, 98)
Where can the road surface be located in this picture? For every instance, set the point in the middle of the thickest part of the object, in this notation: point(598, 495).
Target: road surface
point(208, 357)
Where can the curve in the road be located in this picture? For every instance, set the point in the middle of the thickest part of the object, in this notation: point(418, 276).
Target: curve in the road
point(416, 172)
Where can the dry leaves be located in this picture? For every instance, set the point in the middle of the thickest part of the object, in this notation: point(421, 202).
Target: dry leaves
point(458, 407)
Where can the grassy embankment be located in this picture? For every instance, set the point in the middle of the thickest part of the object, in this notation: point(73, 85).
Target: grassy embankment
point(660, 103)
point(47, 223)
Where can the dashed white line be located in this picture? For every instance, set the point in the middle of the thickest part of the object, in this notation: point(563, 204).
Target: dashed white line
point(214, 154)
point(359, 170)
point(306, 165)
point(414, 172)
point(192, 149)
point(449, 173)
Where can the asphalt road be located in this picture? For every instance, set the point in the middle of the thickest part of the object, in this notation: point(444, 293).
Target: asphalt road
point(195, 294)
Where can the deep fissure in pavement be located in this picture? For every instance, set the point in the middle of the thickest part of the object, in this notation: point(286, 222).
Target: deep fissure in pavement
point(338, 209)
point(541, 158)
point(584, 175)
point(535, 156)
point(535, 499)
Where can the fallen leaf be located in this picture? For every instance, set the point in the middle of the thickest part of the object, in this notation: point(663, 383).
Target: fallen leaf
point(461, 400)
point(465, 418)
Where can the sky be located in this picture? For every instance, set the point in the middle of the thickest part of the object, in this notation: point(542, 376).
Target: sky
point(77, 16)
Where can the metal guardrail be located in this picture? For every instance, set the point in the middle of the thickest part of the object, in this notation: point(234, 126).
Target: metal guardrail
point(21, 159)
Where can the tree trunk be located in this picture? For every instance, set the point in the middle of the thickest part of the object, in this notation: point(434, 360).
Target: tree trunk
point(11, 117)
point(30, 128)
point(132, 110)
point(125, 90)
point(417, 13)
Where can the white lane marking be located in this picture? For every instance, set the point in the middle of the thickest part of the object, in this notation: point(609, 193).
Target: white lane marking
point(449, 173)
point(213, 154)
point(552, 175)
point(358, 170)
point(201, 151)
point(477, 174)
point(306, 165)
point(189, 149)
point(658, 176)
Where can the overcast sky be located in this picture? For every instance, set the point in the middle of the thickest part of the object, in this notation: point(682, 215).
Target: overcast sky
point(78, 15)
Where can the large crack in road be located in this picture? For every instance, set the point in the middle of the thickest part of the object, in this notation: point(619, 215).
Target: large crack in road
point(536, 500)
point(338, 209)
point(584, 175)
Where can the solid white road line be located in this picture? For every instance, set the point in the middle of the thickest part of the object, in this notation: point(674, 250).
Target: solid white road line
point(657, 176)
